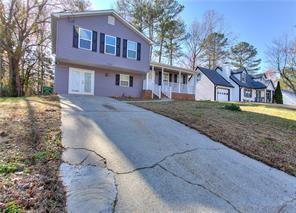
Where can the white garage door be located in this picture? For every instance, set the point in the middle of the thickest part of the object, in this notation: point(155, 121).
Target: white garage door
point(222, 94)
point(81, 81)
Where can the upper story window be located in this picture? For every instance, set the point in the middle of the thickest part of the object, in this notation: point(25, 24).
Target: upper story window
point(110, 44)
point(85, 39)
point(132, 49)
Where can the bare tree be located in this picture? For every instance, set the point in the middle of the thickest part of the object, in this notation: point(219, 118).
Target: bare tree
point(282, 56)
point(74, 5)
point(198, 37)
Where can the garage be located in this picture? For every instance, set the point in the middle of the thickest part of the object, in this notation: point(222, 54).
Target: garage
point(81, 81)
point(223, 94)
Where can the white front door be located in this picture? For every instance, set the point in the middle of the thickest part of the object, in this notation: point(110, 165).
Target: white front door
point(222, 94)
point(81, 81)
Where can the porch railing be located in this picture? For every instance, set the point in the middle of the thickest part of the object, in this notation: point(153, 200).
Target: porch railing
point(167, 88)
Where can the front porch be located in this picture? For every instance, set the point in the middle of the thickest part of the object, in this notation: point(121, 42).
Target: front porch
point(260, 95)
point(170, 81)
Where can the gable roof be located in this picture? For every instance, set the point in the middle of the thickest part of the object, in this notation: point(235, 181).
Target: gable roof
point(250, 83)
point(259, 75)
point(58, 15)
point(215, 77)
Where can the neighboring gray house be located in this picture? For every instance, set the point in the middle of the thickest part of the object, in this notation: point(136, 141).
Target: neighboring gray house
point(289, 97)
point(212, 86)
point(249, 89)
point(98, 53)
point(233, 85)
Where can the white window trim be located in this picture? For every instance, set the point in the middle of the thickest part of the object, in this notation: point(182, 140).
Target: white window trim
point(127, 49)
point(110, 45)
point(91, 38)
point(251, 93)
point(120, 75)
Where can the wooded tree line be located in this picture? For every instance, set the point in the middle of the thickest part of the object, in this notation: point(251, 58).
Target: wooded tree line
point(26, 63)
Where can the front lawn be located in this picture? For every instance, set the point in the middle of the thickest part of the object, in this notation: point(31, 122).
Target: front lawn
point(30, 151)
point(264, 132)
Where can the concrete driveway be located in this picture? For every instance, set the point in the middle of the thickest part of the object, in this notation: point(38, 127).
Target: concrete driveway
point(122, 158)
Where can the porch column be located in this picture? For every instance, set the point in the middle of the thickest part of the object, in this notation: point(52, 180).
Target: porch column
point(179, 89)
point(153, 80)
point(147, 79)
point(161, 76)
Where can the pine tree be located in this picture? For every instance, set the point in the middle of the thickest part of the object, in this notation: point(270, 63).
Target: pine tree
point(215, 50)
point(278, 97)
point(243, 55)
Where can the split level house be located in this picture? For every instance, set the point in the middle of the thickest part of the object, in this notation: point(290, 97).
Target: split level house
point(100, 53)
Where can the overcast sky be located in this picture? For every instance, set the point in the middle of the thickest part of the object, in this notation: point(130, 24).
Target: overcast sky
point(255, 21)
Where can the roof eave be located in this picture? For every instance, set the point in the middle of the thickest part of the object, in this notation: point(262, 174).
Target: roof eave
point(102, 12)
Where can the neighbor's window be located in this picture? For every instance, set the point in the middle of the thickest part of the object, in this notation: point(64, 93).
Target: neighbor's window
point(131, 49)
point(248, 93)
point(124, 80)
point(110, 44)
point(85, 39)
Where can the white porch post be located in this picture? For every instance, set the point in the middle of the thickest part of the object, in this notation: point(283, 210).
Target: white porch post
point(153, 80)
point(147, 79)
point(161, 76)
point(179, 88)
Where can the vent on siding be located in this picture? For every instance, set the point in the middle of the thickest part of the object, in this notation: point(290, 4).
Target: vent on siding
point(111, 20)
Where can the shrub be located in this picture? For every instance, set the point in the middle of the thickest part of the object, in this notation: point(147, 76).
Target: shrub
point(47, 90)
point(232, 107)
point(278, 97)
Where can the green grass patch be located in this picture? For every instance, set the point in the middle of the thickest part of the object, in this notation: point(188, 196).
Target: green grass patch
point(12, 207)
point(272, 144)
point(40, 156)
point(8, 168)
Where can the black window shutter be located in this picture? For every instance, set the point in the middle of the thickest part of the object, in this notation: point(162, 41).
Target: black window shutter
point(117, 46)
point(102, 42)
point(94, 41)
point(159, 78)
point(184, 79)
point(139, 51)
point(124, 51)
point(170, 77)
point(75, 36)
point(176, 78)
point(117, 78)
point(131, 81)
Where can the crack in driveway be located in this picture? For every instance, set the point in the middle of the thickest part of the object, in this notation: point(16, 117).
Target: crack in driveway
point(285, 204)
point(153, 166)
point(201, 186)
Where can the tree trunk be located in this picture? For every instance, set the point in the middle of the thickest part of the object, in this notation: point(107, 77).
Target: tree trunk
point(12, 85)
point(160, 50)
point(171, 52)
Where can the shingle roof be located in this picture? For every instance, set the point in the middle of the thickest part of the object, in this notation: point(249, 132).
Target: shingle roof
point(258, 75)
point(250, 83)
point(215, 77)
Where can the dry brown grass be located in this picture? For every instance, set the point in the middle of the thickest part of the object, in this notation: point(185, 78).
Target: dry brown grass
point(30, 143)
point(265, 133)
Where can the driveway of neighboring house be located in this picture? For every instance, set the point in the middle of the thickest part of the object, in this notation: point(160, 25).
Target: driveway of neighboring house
point(122, 158)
